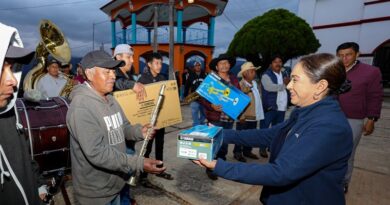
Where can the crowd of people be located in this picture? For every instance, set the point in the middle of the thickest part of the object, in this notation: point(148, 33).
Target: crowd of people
point(337, 98)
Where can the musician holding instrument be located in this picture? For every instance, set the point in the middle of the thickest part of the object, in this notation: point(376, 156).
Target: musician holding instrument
point(52, 83)
point(19, 174)
point(98, 128)
point(46, 72)
point(195, 78)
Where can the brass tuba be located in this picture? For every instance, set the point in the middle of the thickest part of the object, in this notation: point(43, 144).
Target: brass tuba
point(191, 97)
point(52, 42)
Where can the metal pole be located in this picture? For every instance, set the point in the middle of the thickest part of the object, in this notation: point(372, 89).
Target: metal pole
point(155, 25)
point(93, 36)
point(171, 75)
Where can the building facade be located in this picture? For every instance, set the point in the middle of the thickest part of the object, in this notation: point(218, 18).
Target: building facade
point(366, 22)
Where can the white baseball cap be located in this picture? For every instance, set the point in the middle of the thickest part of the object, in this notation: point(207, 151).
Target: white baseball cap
point(123, 48)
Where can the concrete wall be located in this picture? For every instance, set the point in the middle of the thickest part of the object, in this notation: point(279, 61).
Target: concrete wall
point(369, 35)
point(336, 11)
point(332, 37)
point(373, 34)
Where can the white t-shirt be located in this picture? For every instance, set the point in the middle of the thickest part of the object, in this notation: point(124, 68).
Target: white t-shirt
point(281, 99)
point(50, 86)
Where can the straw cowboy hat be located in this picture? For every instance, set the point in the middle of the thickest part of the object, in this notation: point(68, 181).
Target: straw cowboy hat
point(224, 56)
point(247, 66)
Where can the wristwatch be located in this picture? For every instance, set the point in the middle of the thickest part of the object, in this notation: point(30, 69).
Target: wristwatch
point(373, 118)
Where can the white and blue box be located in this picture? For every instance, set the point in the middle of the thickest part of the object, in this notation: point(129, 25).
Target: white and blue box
point(232, 100)
point(200, 141)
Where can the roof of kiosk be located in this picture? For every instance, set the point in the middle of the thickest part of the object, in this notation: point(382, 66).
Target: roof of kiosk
point(194, 12)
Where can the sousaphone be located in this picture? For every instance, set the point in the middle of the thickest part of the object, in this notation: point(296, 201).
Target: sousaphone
point(52, 42)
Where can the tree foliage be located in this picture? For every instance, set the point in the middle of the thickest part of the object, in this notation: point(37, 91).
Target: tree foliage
point(276, 32)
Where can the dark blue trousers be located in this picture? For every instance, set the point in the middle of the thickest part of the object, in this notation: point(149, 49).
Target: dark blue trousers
point(244, 126)
point(224, 148)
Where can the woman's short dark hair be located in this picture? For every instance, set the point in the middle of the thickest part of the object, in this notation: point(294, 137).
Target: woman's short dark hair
point(275, 56)
point(152, 56)
point(328, 67)
point(347, 45)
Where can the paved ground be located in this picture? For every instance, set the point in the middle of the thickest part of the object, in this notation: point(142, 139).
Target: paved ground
point(370, 182)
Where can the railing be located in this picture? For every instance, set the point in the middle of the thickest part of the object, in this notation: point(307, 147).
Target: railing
point(193, 35)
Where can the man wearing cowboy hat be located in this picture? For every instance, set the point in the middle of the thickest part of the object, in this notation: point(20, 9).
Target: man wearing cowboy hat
point(214, 114)
point(254, 111)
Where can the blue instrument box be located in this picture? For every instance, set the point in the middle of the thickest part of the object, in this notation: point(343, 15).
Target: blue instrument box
point(232, 100)
point(200, 141)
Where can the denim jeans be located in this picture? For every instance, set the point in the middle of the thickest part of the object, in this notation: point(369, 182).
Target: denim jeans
point(224, 148)
point(244, 126)
point(115, 201)
point(357, 128)
point(197, 113)
point(272, 117)
point(181, 95)
point(125, 192)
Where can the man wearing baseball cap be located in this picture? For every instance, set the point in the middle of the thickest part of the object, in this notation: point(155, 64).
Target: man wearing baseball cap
point(195, 78)
point(124, 80)
point(52, 83)
point(98, 128)
point(19, 174)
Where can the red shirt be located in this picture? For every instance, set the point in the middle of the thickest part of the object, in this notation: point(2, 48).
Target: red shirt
point(366, 95)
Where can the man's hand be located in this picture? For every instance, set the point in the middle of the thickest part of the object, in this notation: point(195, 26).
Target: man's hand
point(139, 89)
point(42, 191)
point(150, 166)
point(368, 127)
point(217, 107)
point(145, 131)
point(205, 163)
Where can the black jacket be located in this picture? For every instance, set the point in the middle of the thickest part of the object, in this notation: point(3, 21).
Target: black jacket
point(16, 151)
point(123, 81)
point(147, 77)
point(193, 82)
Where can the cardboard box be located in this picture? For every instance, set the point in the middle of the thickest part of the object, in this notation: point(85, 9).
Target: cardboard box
point(140, 111)
point(199, 141)
point(232, 100)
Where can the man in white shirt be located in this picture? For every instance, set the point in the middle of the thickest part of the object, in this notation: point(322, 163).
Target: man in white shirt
point(253, 113)
point(52, 83)
point(274, 95)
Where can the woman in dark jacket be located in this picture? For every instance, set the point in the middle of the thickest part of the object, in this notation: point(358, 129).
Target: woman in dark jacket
point(309, 151)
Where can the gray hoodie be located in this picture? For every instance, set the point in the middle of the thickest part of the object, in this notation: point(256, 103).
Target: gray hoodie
point(99, 161)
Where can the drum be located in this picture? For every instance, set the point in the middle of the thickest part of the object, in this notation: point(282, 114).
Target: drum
point(44, 125)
